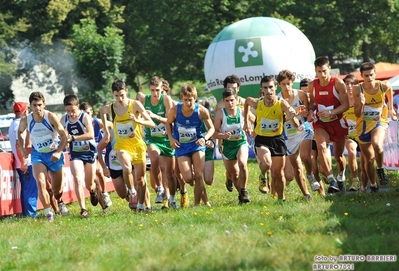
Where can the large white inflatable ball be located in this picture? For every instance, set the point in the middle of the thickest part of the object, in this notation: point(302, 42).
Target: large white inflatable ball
point(255, 47)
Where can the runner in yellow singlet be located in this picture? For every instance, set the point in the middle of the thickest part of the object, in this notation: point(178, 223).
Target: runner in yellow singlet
point(372, 121)
point(128, 118)
point(269, 142)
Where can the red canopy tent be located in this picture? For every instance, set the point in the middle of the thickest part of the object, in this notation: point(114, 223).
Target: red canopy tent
point(384, 71)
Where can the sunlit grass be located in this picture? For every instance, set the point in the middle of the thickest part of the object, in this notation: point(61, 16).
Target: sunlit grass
point(261, 235)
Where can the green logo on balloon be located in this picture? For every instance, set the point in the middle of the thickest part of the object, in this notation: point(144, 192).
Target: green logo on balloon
point(248, 52)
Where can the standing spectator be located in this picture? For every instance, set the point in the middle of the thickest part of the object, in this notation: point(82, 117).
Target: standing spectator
point(29, 192)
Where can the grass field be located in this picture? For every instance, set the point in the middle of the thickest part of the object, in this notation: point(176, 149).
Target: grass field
point(261, 235)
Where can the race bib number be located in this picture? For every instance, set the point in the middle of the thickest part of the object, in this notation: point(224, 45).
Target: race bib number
point(236, 132)
point(371, 114)
point(351, 128)
point(113, 161)
point(125, 131)
point(46, 144)
point(268, 126)
point(321, 107)
point(159, 130)
point(80, 146)
point(187, 135)
point(291, 129)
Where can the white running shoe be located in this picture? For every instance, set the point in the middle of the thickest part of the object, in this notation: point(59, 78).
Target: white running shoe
point(107, 200)
point(313, 183)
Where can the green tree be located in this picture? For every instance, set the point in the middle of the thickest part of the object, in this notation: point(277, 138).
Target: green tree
point(98, 59)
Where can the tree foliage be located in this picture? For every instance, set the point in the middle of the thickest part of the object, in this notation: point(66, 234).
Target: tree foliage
point(88, 43)
point(98, 59)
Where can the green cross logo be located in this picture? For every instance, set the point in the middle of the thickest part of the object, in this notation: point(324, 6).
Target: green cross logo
point(248, 52)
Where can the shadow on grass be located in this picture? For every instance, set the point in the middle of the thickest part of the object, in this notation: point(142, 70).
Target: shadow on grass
point(367, 227)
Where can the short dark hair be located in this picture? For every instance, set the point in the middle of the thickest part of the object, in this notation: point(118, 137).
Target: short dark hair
point(165, 86)
point(229, 92)
point(366, 66)
point(267, 79)
point(118, 85)
point(154, 81)
point(71, 99)
point(85, 106)
point(351, 77)
point(321, 61)
point(231, 79)
point(36, 96)
point(304, 82)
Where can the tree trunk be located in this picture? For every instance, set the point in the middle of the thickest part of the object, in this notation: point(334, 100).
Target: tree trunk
point(366, 52)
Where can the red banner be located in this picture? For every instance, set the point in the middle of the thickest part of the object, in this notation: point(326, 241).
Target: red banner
point(10, 187)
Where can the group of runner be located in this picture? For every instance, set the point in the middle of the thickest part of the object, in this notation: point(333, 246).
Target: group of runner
point(180, 138)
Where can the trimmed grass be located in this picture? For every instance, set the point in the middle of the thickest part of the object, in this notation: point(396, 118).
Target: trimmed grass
point(261, 235)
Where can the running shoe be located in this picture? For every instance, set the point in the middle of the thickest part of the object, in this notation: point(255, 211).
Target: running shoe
point(146, 209)
point(374, 189)
point(94, 197)
point(229, 185)
point(50, 217)
point(84, 213)
point(355, 185)
point(243, 197)
point(341, 186)
point(165, 204)
point(172, 205)
point(62, 209)
point(107, 200)
point(333, 188)
point(263, 185)
point(341, 178)
point(184, 200)
point(160, 196)
point(382, 177)
point(133, 200)
point(313, 183)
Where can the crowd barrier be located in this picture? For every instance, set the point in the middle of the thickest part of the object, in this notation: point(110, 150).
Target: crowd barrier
point(10, 186)
point(391, 147)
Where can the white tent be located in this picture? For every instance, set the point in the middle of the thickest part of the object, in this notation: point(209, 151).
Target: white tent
point(394, 82)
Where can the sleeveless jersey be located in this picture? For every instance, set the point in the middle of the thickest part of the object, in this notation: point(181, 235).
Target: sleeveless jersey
point(86, 148)
point(187, 129)
point(42, 134)
point(127, 132)
point(375, 111)
point(98, 135)
point(290, 131)
point(110, 156)
point(158, 133)
point(326, 98)
point(269, 120)
point(350, 117)
point(235, 125)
